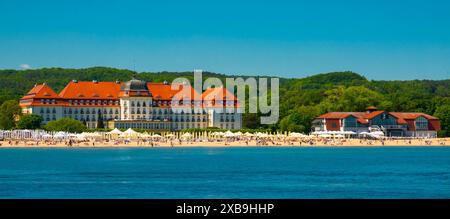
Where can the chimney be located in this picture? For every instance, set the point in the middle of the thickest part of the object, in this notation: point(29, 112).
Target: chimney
point(371, 109)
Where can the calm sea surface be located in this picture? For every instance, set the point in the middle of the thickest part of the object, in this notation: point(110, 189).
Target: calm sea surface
point(394, 172)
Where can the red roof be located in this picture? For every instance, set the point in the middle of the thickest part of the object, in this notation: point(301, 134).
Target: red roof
point(218, 93)
point(91, 90)
point(162, 91)
point(373, 114)
point(407, 116)
point(111, 90)
point(363, 117)
point(40, 91)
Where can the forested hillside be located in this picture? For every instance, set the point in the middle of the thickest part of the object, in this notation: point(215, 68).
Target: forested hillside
point(300, 99)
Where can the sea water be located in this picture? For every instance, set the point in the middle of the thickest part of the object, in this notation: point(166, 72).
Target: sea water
point(250, 172)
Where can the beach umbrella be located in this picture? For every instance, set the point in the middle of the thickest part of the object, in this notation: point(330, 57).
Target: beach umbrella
point(325, 135)
point(186, 135)
point(156, 136)
point(47, 136)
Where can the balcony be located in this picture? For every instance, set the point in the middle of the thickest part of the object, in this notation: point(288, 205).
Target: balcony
point(394, 126)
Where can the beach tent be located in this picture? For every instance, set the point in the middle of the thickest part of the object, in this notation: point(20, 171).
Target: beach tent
point(130, 133)
point(60, 135)
point(170, 135)
point(238, 134)
point(217, 133)
point(115, 132)
point(248, 134)
point(297, 135)
point(91, 135)
point(187, 135)
point(229, 134)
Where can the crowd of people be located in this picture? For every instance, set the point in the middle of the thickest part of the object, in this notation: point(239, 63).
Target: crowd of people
point(226, 141)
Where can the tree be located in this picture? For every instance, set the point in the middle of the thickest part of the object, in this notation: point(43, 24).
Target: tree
point(29, 121)
point(9, 111)
point(352, 99)
point(65, 124)
point(299, 119)
point(443, 113)
point(292, 123)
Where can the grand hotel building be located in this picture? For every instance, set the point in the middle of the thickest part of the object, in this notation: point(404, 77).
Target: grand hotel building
point(135, 104)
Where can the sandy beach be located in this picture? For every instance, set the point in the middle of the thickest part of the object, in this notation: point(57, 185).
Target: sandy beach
point(251, 143)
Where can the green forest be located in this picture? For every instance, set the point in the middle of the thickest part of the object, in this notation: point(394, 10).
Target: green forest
point(301, 99)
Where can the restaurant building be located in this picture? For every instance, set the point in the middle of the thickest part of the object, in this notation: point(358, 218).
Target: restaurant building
point(393, 124)
point(135, 104)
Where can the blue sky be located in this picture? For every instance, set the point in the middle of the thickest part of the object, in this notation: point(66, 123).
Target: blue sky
point(378, 39)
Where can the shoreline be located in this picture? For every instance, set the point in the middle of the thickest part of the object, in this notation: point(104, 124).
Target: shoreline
point(437, 142)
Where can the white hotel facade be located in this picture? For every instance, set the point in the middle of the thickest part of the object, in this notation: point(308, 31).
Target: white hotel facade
point(135, 104)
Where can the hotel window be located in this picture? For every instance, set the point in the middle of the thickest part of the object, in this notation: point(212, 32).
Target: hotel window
point(93, 111)
point(53, 110)
point(48, 110)
point(132, 103)
point(351, 122)
point(143, 104)
point(81, 111)
point(421, 123)
point(138, 104)
point(42, 110)
point(117, 111)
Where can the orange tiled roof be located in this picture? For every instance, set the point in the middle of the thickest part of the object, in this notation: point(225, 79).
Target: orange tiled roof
point(111, 90)
point(407, 115)
point(162, 91)
point(373, 114)
point(91, 90)
point(40, 91)
point(363, 117)
point(218, 93)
